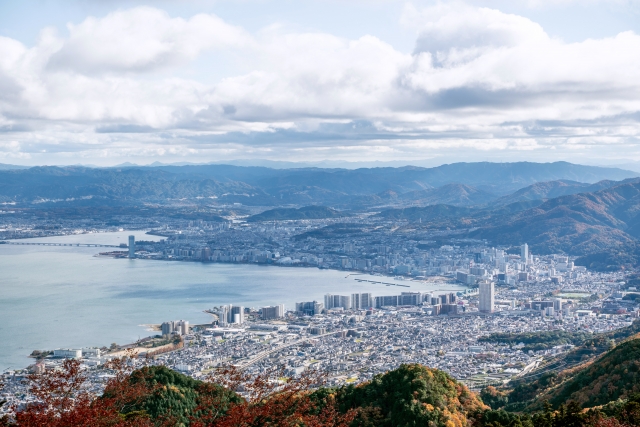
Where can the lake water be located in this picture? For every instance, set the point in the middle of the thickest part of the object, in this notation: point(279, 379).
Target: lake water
point(53, 297)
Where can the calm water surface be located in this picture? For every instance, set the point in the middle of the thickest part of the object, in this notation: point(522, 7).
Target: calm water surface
point(53, 297)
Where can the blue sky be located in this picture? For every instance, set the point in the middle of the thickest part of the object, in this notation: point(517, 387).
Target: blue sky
point(423, 82)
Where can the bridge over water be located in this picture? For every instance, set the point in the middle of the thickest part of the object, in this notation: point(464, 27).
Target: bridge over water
point(85, 245)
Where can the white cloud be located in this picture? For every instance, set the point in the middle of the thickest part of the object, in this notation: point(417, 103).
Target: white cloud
point(460, 27)
point(478, 78)
point(142, 39)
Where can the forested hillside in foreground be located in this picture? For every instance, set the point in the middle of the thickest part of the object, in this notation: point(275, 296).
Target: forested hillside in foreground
point(604, 393)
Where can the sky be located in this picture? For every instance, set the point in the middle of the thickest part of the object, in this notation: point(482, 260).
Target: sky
point(103, 82)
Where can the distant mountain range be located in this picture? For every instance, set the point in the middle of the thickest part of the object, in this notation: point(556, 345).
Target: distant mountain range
point(555, 207)
point(460, 184)
point(578, 224)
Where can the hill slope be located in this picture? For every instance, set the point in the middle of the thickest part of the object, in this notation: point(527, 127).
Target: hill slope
point(427, 213)
point(450, 194)
point(613, 376)
point(577, 224)
point(552, 189)
point(308, 212)
point(411, 395)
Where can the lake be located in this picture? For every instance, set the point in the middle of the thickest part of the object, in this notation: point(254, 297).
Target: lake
point(52, 297)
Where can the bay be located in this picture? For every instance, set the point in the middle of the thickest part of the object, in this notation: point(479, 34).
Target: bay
point(64, 296)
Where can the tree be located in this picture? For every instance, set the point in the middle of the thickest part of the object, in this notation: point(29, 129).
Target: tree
point(271, 400)
point(63, 399)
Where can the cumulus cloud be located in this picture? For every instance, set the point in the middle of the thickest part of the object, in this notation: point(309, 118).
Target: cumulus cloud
point(142, 39)
point(478, 78)
point(458, 27)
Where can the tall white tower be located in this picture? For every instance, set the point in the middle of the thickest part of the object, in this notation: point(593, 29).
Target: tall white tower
point(487, 296)
point(524, 253)
point(132, 246)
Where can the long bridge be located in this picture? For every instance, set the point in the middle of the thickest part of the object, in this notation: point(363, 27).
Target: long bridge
point(85, 245)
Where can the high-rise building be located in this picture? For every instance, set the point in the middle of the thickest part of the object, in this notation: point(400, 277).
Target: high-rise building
point(132, 246)
point(361, 301)
point(410, 298)
point(557, 304)
point(487, 296)
point(236, 314)
point(177, 327)
point(272, 312)
point(386, 301)
point(309, 308)
point(335, 301)
point(167, 328)
point(184, 327)
point(223, 315)
point(524, 253)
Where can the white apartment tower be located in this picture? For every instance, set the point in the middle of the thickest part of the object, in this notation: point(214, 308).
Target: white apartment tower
point(361, 301)
point(132, 246)
point(335, 301)
point(487, 296)
point(236, 314)
point(524, 253)
point(272, 312)
point(177, 327)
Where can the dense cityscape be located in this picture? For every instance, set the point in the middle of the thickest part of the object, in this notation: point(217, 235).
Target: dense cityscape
point(353, 337)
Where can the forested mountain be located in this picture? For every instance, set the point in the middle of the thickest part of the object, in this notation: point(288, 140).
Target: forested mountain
point(426, 214)
point(458, 184)
point(614, 376)
point(578, 375)
point(307, 212)
point(578, 224)
point(449, 194)
point(552, 189)
point(603, 393)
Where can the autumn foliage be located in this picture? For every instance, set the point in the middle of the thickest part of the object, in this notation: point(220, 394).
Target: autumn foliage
point(157, 396)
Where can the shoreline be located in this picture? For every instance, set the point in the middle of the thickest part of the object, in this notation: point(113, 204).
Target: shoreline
point(311, 266)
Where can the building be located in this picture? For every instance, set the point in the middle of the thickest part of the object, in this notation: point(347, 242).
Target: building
point(309, 308)
point(236, 314)
point(132, 246)
point(362, 301)
point(477, 271)
point(487, 297)
point(538, 305)
point(450, 309)
point(91, 352)
point(386, 301)
point(557, 304)
point(175, 327)
point(410, 298)
point(67, 353)
point(524, 253)
point(336, 301)
point(466, 278)
point(272, 312)
point(223, 315)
